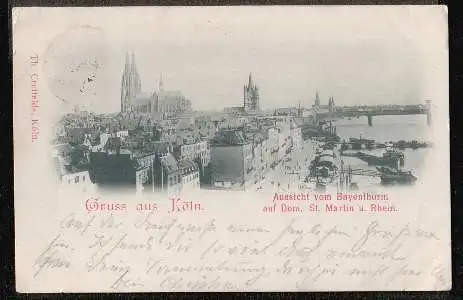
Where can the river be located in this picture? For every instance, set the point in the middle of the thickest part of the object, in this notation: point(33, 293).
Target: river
point(390, 128)
point(385, 128)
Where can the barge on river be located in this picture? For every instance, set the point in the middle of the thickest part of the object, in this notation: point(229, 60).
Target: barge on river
point(390, 158)
point(391, 176)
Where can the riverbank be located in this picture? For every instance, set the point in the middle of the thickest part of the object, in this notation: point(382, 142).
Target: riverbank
point(358, 144)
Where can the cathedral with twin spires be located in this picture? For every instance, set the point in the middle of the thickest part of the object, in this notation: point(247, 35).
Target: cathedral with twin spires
point(131, 84)
point(160, 103)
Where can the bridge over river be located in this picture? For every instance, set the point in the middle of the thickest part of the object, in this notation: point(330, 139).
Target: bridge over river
point(371, 111)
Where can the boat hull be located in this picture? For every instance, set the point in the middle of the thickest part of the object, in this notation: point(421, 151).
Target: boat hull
point(397, 179)
point(371, 160)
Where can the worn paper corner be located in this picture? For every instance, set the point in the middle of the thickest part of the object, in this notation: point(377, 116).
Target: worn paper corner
point(15, 13)
point(445, 8)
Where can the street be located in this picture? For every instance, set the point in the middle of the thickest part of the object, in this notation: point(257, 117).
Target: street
point(288, 176)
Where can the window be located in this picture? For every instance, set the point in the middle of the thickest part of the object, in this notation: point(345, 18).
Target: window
point(83, 178)
point(76, 179)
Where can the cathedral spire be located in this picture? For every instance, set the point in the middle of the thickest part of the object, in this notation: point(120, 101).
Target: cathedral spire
point(250, 80)
point(125, 83)
point(131, 83)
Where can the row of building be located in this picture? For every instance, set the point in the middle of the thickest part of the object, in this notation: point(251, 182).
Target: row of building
point(240, 158)
point(229, 153)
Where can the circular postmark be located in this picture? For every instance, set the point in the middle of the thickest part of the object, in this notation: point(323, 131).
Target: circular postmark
point(74, 63)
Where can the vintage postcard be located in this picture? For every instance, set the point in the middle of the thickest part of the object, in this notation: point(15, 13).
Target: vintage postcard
point(231, 149)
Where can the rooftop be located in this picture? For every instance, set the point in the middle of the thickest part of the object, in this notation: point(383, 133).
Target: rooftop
point(113, 143)
point(143, 98)
point(62, 166)
point(159, 147)
point(256, 135)
point(229, 137)
point(169, 163)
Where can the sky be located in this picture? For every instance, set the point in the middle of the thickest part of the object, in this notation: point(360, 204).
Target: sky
point(358, 55)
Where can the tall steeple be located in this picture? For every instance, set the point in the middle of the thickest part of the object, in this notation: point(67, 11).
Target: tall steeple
point(136, 76)
point(317, 99)
point(125, 84)
point(130, 84)
point(251, 96)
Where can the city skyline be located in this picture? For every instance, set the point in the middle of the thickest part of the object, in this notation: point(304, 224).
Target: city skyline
point(216, 180)
point(291, 52)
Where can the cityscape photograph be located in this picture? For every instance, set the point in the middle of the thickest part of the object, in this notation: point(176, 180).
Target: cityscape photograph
point(322, 138)
point(231, 148)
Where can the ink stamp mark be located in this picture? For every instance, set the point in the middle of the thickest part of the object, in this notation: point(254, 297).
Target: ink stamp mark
point(73, 63)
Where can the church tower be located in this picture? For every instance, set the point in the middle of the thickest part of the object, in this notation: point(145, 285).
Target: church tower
point(251, 96)
point(125, 86)
point(130, 84)
point(331, 107)
point(317, 100)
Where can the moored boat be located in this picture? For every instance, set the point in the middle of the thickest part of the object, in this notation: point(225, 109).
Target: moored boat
point(390, 158)
point(390, 176)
